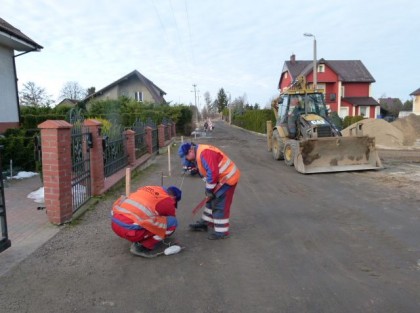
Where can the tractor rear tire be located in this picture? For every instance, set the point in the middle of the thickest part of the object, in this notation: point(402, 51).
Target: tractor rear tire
point(278, 146)
point(289, 152)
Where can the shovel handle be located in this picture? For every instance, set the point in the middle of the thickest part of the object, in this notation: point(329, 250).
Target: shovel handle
point(203, 202)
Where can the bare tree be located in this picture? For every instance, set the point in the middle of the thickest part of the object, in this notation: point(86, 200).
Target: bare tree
point(72, 90)
point(33, 95)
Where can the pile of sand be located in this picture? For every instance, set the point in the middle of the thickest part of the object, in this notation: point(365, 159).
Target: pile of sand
point(385, 134)
point(410, 127)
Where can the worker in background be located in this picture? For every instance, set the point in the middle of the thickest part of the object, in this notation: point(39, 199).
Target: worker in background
point(210, 123)
point(146, 217)
point(221, 176)
point(206, 126)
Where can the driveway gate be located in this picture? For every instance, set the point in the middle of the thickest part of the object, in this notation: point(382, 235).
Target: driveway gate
point(81, 142)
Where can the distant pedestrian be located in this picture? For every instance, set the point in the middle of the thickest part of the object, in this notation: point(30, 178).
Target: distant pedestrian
point(146, 217)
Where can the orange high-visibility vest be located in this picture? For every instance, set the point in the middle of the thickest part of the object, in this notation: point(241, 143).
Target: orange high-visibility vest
point(140, 207)
point(228, 172)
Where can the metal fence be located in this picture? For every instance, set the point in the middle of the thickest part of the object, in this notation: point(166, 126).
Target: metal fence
point(81, 142)
point(114, 146)
point(140, 138)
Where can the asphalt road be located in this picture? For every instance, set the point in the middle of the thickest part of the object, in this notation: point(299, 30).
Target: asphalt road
point(338, 242)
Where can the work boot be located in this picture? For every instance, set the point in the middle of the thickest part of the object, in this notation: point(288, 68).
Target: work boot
point(138, 250)
point(199, 226)
point(217, 236)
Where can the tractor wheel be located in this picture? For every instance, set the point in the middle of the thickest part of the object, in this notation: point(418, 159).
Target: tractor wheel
point(289, 153)
point(278, 146)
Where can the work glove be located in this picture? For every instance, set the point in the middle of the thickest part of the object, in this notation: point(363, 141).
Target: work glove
point(210, 195)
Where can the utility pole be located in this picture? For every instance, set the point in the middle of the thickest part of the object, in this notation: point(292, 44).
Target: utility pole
point(195, 103)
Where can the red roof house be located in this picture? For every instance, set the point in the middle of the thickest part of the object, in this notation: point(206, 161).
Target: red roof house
point(346, 84)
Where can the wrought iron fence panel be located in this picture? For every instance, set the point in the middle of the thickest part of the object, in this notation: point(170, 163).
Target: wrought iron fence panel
point(155, 136)
point(140, 138)
point(81, 142)
point(115, 154)
point(167, 131)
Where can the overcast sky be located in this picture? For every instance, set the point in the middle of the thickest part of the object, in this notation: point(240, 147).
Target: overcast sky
point(240, 45)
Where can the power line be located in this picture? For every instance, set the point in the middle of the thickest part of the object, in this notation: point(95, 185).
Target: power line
point(189, 33)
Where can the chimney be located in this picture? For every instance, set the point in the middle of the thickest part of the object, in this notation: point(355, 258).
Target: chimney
point(293, 58)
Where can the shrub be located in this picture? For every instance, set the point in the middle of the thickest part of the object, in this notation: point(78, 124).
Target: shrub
point(255, 120)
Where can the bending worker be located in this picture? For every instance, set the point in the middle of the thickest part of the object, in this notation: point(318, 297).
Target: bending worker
point(221, 176)
point(146, 217)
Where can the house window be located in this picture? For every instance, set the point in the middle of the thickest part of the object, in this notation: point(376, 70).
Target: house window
point(364, 111)
point(344, 111)
point(321, 68)
point(285, 75)
point(138, 95)
point(342, 92)
point(332, 96)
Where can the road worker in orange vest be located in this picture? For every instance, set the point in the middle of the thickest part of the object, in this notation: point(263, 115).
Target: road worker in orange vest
point(146, 217)
point(221, 176)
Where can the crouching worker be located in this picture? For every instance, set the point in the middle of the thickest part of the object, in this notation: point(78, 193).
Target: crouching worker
point(146, 217)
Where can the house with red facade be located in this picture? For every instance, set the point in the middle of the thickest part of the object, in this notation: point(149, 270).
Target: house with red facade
point(346, 84)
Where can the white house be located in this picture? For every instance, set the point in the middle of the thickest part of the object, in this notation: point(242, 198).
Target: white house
point(11, 40)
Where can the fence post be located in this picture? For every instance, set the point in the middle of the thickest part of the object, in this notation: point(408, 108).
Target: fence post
point(131, 146)
point(57, 170)
point(149, 139)
point(97, 174)
point(161, 135)
point(269, 135)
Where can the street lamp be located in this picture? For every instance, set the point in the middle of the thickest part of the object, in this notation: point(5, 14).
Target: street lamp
point(315, 70)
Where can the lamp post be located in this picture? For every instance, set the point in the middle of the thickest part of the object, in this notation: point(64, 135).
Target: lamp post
point(315, 71)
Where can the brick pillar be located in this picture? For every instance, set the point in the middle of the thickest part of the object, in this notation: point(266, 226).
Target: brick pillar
point(57, 169)
point(97, 175)
point(149, 139)
point(161, 135)
point(131, 146)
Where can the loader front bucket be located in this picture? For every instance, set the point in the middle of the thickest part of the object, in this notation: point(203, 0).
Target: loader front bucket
point(337, 154)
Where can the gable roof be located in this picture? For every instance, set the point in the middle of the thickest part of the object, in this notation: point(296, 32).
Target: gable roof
point(14, 38)
point(387, 102)
point(415, 93)
point(154, 90)
point(347, 70)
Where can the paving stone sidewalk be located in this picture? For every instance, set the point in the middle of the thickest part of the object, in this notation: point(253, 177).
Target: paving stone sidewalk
point(28, 227)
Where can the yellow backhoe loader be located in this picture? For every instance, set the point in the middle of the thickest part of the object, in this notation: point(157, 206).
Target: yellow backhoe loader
point(304, 135)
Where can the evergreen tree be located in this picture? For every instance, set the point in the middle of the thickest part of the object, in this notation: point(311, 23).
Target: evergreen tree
point(221, 100)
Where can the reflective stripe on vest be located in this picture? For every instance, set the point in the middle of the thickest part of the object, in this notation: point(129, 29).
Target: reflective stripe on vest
point(140, 208)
